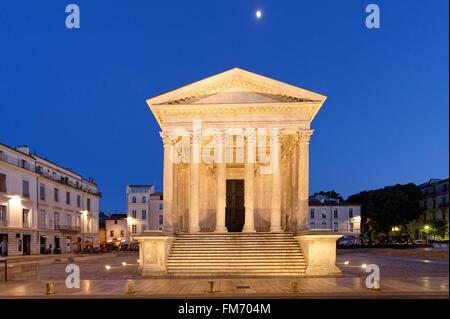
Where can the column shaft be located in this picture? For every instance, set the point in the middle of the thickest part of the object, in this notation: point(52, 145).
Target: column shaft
point(220, 188)
point(194, 205)
point(275, 216)
point(167, 185)
point(303, 178)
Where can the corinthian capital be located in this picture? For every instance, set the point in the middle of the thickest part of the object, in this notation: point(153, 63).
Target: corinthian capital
point(304, 135)
point(166, 137)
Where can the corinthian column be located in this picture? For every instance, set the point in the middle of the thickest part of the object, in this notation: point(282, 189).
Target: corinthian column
point(303, 177)
point(275, 215)
point(221, 183)
point(167, 183)
point(249, 184)
point(194, 205)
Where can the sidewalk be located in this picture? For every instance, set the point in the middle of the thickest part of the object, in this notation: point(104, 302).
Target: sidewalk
point(342, 287)
point(48, 259)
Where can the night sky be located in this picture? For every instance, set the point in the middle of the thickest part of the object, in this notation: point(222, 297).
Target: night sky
point(78, 97)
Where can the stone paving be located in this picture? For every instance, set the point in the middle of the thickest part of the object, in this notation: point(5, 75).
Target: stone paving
point(401, 277)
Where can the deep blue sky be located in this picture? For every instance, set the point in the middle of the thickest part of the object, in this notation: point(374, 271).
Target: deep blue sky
point(78, 96)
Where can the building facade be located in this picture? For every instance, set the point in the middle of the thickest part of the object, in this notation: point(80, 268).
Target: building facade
point(236, 169)
point(435, 204)
point(257, 131)
point(144, 209)
point(117, 229)
point(335, 215)
point(45, 208)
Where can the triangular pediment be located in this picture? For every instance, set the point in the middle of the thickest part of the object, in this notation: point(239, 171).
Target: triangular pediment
point(236, 86)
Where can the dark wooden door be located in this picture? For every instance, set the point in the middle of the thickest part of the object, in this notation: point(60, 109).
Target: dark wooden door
point(235, 210)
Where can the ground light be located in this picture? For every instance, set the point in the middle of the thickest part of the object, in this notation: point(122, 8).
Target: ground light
point(124, 264)
point(107, 267)
point(364, 266)
point(346, 262)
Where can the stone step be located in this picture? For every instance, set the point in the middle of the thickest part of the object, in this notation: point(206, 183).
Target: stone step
point(238, 254)
point(225, 264)
point(244, 246)
point(234, 271)
point(233, 248)
point(234, 257)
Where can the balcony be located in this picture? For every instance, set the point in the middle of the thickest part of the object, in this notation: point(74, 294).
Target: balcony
point(66, 181)
point(68, 229)
point(18, 162)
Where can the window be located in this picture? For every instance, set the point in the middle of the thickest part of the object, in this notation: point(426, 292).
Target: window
point(68, 220)
point(350, 213)
point(133, 229)
point(115, 222)
point(434, 215)
point(160, 206)
point(88, 204)
point(324, 225)
point(444, 200)
point(312, 212)
point(3, 218)
point(144, 214)
point(335, 213)
point(122, 233)
point(133, 199)
point(144, 199)
point(143, 228)
point(335, 227)
point(3, 183)
point(425, 204)
point(56, 195)
point(324, 214)
point(68, 198)
point(133, 214)
point(312, 225)
point(78, 201)
point(42, 219)
point(111, 233)
point(56, 219)
point(350, 227)
point(434, 203)
point(161, 219)
point(26, 189)
point(78, 221)
point(26, 217)
point(42, 192)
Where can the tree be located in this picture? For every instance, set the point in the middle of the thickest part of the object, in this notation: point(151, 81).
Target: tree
point(392, 206)
point(330, 194)
point(438, 228)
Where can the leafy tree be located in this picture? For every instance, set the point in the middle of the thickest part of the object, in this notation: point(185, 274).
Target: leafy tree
point(330, 194)
point(382, 209)
point(438, 228)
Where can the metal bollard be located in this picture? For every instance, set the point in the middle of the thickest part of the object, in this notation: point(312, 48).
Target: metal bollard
point(293, 286)
point(129, 287)
point(211, 289)
point(50, 288)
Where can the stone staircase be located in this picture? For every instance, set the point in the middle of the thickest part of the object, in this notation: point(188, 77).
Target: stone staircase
point(236, 254)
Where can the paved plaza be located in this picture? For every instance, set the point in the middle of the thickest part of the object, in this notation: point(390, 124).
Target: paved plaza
point(401, 277)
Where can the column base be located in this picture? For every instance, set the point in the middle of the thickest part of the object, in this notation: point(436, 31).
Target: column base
point(194, 230)
point(248, 230)
point(275, 229)
point(221, 229)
